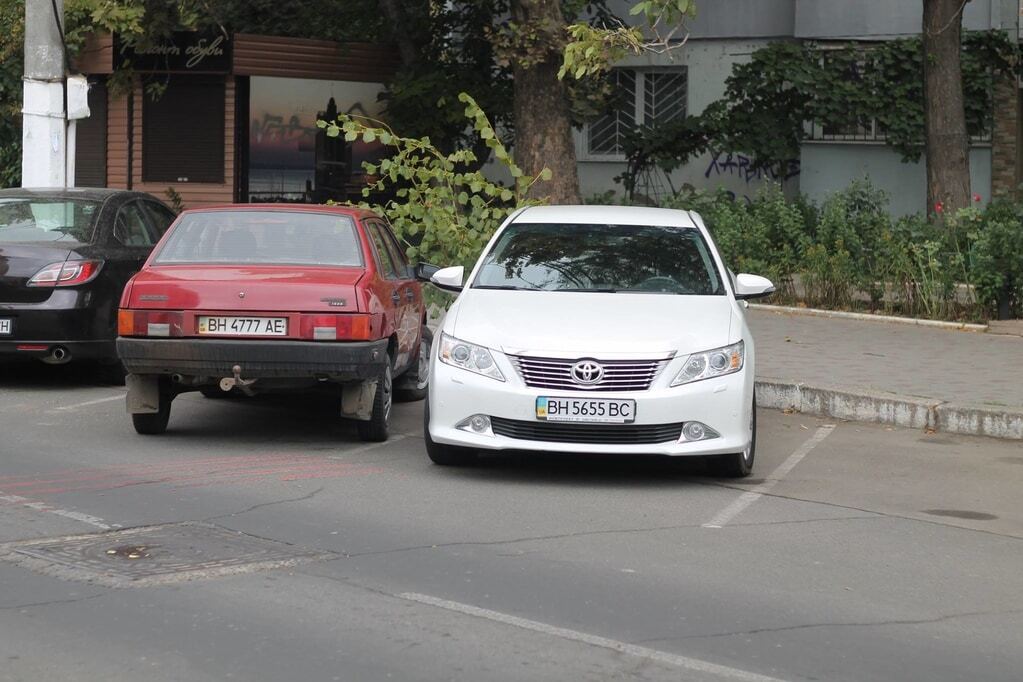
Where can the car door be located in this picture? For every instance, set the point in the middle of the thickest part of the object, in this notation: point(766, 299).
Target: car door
point(160, 217)
point(410, 289)
point(405, 325)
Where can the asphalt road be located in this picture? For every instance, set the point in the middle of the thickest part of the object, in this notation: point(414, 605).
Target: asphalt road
point(854, 552)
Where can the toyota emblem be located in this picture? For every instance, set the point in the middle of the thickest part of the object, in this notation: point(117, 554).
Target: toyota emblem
point(587, 372)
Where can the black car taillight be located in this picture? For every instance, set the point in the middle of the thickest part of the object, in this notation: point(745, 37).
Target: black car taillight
point(66, 273)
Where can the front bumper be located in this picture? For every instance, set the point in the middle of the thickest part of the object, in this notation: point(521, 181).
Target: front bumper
point(346, 361)
point(723, 403)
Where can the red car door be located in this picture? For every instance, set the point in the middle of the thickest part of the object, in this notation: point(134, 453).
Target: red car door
point(394, 294)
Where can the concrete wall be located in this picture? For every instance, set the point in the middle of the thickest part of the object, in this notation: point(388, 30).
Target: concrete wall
point(827, 168)
point(886, 18)
point(729, 18)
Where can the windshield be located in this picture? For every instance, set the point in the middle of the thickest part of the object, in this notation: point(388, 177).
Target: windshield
point(601, 258)
point(47, 220)
point(263, 237)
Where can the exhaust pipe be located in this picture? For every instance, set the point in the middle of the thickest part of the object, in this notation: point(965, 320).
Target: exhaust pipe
point(58, 356)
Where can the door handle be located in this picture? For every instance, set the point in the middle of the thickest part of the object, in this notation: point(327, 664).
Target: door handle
point(409, 294)
point(396, 297)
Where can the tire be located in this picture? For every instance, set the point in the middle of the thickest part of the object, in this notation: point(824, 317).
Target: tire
point(439, 453)
point(740, 464)
point(376, 429)
point(415, 383)
point(153, 423)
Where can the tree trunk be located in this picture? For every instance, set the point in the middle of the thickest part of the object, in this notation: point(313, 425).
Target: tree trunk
point(543, 122)
point(407, 48)
point(947, 143)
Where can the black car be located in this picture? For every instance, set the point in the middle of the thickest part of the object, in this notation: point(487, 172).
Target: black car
point(65, 255)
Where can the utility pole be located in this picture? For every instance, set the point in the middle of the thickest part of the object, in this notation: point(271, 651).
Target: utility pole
point(44, 160)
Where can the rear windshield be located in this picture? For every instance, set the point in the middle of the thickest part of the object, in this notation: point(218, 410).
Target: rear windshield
point(47, 220)
point(263, 237)
point(649, 259)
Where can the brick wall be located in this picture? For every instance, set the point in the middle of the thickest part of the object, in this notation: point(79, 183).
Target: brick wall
point(1005, 137)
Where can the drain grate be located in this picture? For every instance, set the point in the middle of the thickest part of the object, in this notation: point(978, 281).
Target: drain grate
point(155, 555)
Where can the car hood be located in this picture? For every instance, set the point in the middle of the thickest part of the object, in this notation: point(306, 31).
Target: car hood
point(573, 324)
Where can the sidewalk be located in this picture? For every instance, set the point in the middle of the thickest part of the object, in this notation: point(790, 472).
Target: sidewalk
point(914, 376)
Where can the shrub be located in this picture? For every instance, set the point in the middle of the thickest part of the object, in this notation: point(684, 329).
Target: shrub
point(997, 258)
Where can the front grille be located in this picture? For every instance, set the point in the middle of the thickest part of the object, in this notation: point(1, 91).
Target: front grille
point(619, 375)
point(601, 434)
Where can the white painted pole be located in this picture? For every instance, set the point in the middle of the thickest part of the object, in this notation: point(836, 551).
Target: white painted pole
point(44, 124)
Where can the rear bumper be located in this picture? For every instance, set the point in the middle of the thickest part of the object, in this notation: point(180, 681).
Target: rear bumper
point(349, 361)
point(71, 318)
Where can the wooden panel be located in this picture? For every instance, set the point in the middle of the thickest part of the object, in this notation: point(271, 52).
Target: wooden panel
point(96, 55)
point(193, 194)
point(117, 140)
point(301, 58)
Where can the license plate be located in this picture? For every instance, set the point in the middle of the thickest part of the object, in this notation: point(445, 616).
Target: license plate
point(6, 326)
point(601, 410)
point(243, 326)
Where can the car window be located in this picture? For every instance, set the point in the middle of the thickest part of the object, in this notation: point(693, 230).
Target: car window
point(651, 259)
point(32, 219)
point(130, 227)
point(266, 237)
point(397, 253)
point(160, 217)
point(388, 269)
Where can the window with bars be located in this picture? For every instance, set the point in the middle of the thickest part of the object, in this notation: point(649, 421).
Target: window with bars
point(647, 98)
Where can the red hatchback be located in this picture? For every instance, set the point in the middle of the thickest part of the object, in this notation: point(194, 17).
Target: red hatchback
point(264, 298)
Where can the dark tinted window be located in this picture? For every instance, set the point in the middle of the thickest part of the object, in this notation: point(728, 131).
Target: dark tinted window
point(183, 132)
point(397, 253)
point(601, 258)
point(42, 220)
point(131, 228)
point(383, 256)
point(159, 216)
point(264, 237)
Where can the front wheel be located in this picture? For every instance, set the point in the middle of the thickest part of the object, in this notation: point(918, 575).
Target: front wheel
point(740, 464)
point(376, 429)
point(439, 453)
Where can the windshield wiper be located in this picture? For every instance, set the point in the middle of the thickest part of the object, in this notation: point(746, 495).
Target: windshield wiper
point(505, 287)
point(588, 290)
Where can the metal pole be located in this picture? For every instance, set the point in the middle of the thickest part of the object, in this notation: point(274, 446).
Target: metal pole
point(44, 123)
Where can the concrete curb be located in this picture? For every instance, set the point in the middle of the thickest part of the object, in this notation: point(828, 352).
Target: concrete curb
point(888, 408)
point(818, 312)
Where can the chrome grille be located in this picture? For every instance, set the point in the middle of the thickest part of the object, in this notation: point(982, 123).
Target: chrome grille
point(603, 434)
point(556, 373)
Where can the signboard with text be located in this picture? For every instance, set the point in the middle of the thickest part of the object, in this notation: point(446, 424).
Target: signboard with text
point(182, 52)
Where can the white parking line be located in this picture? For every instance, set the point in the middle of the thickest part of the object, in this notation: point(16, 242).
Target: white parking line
point(751, 496)
point(43, 507)
point(643, 652)
point(87, 403)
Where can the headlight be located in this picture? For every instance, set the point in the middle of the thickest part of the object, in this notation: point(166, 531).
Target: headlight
point(468, 356)
point(711, 363)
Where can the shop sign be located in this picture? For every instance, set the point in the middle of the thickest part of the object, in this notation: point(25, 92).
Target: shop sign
point(183, 52)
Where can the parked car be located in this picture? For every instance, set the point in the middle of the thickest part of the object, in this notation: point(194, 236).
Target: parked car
point(596, 329)
point(65, 255)
point(268, 298)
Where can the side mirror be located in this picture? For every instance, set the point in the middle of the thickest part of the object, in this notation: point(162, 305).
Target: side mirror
point(449, 279)
point(752, 286)
point(424, 271)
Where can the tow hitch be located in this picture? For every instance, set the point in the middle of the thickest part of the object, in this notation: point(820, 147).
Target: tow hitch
point(243, 385)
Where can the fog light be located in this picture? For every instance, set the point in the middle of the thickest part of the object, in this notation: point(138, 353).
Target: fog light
point(477, 423)
point(697, 431)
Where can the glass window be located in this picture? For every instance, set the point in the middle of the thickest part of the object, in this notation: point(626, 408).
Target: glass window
point(42, 220)
point(648, 98)
point(130, 227)
point(601, 258)
point(263, 237)
point(160, 217)
point(397, 253)
point(387, 265)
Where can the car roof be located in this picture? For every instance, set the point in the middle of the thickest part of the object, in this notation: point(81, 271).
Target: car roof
point(605, 215)
point(88, 193)
point(353, 211)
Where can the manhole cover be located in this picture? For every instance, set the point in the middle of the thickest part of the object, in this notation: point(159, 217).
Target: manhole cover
point(155, 555)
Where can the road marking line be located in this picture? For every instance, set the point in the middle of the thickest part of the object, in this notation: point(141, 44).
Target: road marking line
point(751, 496)
point(694, 664)
point(87, 403)
point(66, 513)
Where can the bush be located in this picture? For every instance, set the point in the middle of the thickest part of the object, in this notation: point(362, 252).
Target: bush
point(997, 255)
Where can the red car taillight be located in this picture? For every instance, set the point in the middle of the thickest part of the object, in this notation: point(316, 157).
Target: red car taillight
point(66, 274)
point(149, 323)
point(337, 327)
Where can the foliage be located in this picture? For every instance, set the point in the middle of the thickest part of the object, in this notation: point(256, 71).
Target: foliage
point(444, 208)
point(12, 38)
point(849, 253)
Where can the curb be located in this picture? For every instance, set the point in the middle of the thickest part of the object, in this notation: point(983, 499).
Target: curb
point(818, 312)
point(888, 408)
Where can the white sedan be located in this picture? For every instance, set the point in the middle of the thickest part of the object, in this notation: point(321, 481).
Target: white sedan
point(596, 329)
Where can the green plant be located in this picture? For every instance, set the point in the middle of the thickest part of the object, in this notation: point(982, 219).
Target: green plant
point(443, 206)
point(997, 254)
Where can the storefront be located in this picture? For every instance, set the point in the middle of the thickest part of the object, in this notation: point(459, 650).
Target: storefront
point(219, 119)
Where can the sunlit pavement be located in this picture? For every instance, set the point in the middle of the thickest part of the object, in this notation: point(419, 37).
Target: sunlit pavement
point(854, 552)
